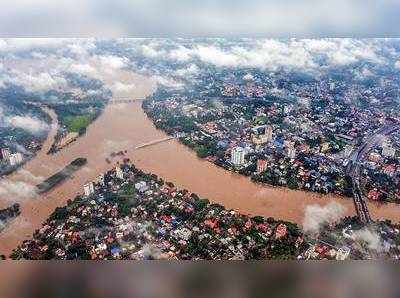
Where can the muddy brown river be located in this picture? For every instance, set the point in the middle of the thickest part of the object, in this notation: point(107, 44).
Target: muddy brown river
point(125, 126)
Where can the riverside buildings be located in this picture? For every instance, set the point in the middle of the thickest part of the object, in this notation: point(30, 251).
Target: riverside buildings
point(306, 130)
point(144, 217)
point(237, 156)
point(261, 165)
point(119, 172)
point(5, 154)
point(100, 180)
point(88, 188)
point(12, 159)
point(15, 158)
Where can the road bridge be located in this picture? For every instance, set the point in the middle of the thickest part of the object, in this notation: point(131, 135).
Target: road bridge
point(124, 100)
point(153, 142)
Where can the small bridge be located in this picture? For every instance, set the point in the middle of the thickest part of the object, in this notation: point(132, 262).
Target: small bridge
point(123, 100)
point(154, 142)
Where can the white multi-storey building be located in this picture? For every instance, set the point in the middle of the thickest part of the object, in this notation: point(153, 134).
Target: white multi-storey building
point(343, 253)
point(15, 158)
point(291, 152)
point(88, 188)
point(100, 179)
point(119, 172)
point(261, 165)
point(5, 154)
point(268, 133)
point(237, 156)
point(388, 150)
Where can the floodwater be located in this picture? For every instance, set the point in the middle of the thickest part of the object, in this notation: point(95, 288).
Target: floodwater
point(125, 126)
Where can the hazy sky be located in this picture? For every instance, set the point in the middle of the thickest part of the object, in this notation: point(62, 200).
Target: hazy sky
point(185, 18)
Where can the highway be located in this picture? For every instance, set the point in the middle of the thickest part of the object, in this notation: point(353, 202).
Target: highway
point(353, 169)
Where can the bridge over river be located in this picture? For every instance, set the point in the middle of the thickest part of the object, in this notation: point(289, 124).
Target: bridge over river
point(123, 100)
point(154, 142)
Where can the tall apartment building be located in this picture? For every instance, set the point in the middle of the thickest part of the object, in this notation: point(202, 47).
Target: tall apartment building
point(237, 156)
point(15, 158)
point(261, 165)
point(268, 133)
point(388, 150)
point(291, 152)
point(100, 179)
point(119, 172)
point(5, 154)
point(88, 188)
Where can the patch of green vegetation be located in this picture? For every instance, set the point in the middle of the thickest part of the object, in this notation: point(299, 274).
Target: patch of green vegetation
point(201, 151)
point(78, 123)
point(260, 120)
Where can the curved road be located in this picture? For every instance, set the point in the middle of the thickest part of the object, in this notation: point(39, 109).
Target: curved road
point(353, 169)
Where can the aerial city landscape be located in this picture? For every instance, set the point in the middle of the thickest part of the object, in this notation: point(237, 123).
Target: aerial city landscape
point(199, 149)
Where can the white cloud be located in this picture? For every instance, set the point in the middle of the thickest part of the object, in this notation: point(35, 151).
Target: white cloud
point(265, 54)
point(341, 58)
point(83, 69)
point(363, 73)
point(248, 77)
point(28, 176)
point(38, 56)
point(168, 82)
point(81, 47)
point(371, 238)
point(37, 82)
point(397, 64)
point(273, 54)
point(320, 45)
point(120, 87)
point(97, 92)
point(113, 62)
point(347, 51)
point(181, 54)
point(191, 70)
point(28, 123)
point(150, 52)
point(11, 190)
point(216, 56)
point(315, 216)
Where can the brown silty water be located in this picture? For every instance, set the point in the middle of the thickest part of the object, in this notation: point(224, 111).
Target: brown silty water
point(125, 126)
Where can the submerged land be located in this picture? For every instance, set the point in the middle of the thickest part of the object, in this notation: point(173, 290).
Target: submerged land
point(266, 153)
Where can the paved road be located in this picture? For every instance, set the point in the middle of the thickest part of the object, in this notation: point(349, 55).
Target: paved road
point(353, 168)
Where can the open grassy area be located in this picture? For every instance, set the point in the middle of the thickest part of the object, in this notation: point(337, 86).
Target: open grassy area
point(77, 123)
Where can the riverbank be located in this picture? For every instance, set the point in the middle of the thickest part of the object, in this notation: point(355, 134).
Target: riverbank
point(111, 132)
point(142, 216)
point(47, 143)
point(123, 127)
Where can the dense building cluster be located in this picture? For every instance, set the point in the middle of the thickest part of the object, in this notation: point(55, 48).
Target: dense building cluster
point(128, 214)
point(285, 131)
point(381, 171)
point(349, 239)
